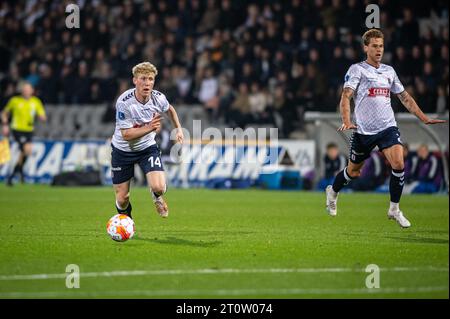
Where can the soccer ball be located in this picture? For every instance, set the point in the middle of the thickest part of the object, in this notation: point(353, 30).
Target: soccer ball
point(120, 227)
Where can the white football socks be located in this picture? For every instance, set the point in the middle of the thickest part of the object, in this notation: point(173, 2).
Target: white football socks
point(394, 207)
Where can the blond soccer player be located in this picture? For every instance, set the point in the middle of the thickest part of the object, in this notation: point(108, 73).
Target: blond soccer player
point(138, 119)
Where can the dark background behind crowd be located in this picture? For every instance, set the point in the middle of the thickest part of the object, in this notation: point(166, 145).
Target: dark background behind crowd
point(242, 60)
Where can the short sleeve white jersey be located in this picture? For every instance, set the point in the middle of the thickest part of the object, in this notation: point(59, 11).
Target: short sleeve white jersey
point(132, 113)
point(372, 96)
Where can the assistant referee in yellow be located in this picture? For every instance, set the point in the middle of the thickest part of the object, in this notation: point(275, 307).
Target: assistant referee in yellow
point(23, 109)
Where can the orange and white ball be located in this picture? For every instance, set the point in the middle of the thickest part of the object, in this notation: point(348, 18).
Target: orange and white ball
point(120, 227)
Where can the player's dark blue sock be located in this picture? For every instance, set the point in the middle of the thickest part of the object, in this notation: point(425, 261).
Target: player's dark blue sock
point(341, 179)
point(396, 184)
point(126, 211)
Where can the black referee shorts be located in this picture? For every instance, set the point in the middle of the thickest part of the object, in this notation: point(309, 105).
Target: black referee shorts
point(22, 138)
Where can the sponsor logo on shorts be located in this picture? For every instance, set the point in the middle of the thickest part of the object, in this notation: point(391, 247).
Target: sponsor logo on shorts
point(356, 153)
point(116, 168)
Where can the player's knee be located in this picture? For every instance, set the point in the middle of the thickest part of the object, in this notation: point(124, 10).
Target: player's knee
point(159, 189)
point(354, 173)
point(398, 165)
point(122, 198)
point(27, 150)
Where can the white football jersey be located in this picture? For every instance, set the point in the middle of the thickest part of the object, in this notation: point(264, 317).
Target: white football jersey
point(372, 96)
point(132, 113)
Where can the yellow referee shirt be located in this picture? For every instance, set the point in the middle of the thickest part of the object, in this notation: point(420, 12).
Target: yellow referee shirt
point(23, 112)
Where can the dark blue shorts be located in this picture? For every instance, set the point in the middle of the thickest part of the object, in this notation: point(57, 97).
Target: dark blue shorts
point(122, 163)
point(362, 145)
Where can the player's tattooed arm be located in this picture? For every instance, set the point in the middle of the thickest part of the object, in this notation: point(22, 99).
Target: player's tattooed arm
point(344, 107)
point(411, 105)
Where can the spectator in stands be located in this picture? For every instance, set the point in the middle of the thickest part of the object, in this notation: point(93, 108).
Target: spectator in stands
point(226, 96)
point(81, 85)
point(442, 100)
point(249, 41)
point(284, 107)
point(333, 162)
point(338, 66)
point(408, 32)
point(410, 160)
point(184, 85)
point(33, 76)
point(428, 175)
point(210, 17)
point(240, 114)
point(313, 82)
point(425, 98)
point(167, 83)
point(258, 100)
point(208, 93)
point(47, 88)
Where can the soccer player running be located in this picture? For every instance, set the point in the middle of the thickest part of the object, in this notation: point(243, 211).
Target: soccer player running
point(138, 120)
point(370, 84)
point(23, 109)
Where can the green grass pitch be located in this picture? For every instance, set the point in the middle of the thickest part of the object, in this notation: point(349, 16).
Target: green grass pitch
point(221, 244)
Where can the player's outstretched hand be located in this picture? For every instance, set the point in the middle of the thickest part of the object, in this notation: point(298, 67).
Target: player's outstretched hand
point(434, 121)
point(347, 126)
point(180, 136)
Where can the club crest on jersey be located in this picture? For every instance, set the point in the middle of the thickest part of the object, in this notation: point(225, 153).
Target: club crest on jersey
point(373, 92)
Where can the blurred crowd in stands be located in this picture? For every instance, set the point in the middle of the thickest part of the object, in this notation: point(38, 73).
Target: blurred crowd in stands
point(424, 171)
point(263, 62)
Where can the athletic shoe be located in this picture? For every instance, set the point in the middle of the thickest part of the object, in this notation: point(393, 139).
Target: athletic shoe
point(161, 206)
point(401, 220)
point(9, 181)
point(331, 201)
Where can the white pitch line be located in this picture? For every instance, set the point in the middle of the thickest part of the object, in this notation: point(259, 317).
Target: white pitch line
point(226, 292)
point(125, 273)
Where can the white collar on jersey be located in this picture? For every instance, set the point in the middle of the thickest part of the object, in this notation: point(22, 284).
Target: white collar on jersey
point(365, 61)
point(135, 97)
